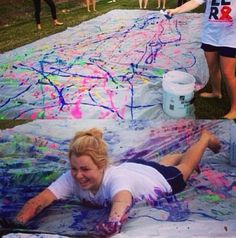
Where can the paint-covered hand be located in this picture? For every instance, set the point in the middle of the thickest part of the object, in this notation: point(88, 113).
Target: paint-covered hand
point(109, 227)
point(11, 224)
point(166, 14)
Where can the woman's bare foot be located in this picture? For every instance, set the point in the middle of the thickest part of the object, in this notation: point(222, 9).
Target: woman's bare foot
point(211, 95)
point(57, 23)
point(213, 142)
point(230, 115)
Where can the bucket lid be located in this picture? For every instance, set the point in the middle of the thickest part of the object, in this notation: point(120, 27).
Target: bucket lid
point(178, 82)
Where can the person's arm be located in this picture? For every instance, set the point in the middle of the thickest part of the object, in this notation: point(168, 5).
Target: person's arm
point(35, 206)
point(121, 203)
point(188, 6)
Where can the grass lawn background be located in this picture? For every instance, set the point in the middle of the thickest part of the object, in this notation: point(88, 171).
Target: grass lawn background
point(17, 28)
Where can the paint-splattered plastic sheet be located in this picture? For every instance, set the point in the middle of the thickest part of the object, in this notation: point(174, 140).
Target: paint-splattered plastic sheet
point(35, 154)
point(109, 67)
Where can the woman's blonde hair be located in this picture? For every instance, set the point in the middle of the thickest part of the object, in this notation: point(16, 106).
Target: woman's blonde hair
point(91, 143)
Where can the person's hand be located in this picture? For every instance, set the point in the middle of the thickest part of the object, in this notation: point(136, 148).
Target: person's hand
point(171, 12)
point(11, 223)
point(109, 228)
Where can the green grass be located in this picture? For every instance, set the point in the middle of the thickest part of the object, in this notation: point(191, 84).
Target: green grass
point(11, 123)
point(17, 28)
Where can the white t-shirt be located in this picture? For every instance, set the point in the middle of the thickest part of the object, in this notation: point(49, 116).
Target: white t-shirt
point(143, 182)
point(219, 27)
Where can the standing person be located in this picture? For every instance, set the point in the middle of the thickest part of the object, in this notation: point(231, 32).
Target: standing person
point(219, 45)
point(159, 4)
point(93, 180)
point(37, 11)
point(141, 4)
point(88, 2)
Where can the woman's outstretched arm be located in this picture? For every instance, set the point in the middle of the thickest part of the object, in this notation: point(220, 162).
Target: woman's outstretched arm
point(188, 6)
point(35, 206)
point(121, 203)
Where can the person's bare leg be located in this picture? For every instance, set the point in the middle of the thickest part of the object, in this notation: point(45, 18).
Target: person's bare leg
point(193, 155)
point(171, 159)
point(212, 59)
point(159, 3)
point(145, 4)
point(228, 66)
point(164, 4)
point(88, 5)
point(94, 5)
point(140, 4)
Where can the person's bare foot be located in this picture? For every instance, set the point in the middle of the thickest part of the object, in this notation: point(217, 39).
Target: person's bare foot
point(211, 95)
point(57, 23)
point(230, 115)
point(213, 142)
point(39, 26)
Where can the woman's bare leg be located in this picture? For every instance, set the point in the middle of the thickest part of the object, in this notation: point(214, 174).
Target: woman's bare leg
point(145, 4)
point(215, 75)
point(171, 159)
point(94, 5)
point(140, 4)
point(164, 4)
point(228, 66)
point(88, 5)
point(191, 158)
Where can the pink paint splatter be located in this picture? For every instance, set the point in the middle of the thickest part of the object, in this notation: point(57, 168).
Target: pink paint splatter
point(76, 112)
point(215, 178)
point(53, 146)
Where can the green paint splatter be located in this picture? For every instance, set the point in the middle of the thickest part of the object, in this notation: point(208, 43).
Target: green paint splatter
point(221, 213)
point(18, 174)
point(3, 68)
point(10, 81)
point(158, 72)
point(42, 148)
point(2, 117)
point(19, 58)
point(67, 206)
point(81, 62)
point(210, 198)
point(53, 78)
point(41, 115)
point(27, 163)
point(51, 177)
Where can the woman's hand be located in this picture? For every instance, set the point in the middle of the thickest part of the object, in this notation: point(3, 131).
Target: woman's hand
point(172, 12)
point(109, 228)
point(35, 206)
point(121, 203)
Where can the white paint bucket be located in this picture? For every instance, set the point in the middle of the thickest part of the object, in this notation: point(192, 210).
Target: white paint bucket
point(178, 93)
